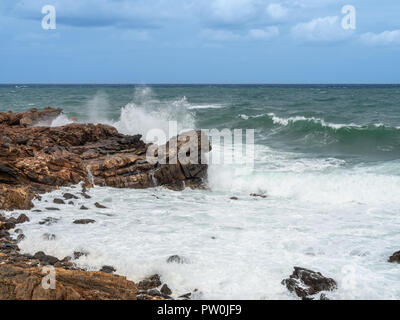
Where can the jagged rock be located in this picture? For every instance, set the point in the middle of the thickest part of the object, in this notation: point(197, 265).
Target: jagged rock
point(84, 221)
point(395, 258)
point(59, 201)
point(165, 290)
point(150, 282)
point(25, 283)
point(100, 206)
point(306, 283)
point(108, 269)
point(22, 219)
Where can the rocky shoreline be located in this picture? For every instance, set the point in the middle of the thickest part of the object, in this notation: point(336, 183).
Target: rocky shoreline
point(36, 158)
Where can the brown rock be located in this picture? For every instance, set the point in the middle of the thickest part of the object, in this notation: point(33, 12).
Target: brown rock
point(84, 208)
point(22, 219)
point(25, 283)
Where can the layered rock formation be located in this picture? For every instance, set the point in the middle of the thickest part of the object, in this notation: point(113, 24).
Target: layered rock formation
point(36, 159)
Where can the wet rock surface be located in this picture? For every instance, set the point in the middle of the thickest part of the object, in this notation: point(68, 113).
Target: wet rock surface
point(307, 283)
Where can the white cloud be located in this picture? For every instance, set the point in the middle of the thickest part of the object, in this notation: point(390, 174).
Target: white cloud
point(327, 29)
point(384, 38)
point(277, 11)
point(264, 34)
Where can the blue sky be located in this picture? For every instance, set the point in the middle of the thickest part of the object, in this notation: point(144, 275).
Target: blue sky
point(199, 41)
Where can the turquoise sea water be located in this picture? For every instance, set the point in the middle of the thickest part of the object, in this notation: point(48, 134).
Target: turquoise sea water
point(328, 157)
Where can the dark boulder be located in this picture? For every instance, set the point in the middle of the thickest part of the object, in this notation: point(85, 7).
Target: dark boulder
point(84, 221)
point(395, 258)
point(22, 219)
point(150, 282)
point(307, 283)
point(108, 269)
point(69, 196)
point(100, 206)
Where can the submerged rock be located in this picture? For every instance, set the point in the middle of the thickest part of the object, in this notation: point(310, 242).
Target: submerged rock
point(49, 221)
point(59, 201)
point(84, 208)
point(177, 259)
point(305, 283)
point(100, 206)
point(258, 195)
point(84, 221)
point(52, 209)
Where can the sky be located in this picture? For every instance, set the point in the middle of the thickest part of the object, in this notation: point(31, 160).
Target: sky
point(200, 41)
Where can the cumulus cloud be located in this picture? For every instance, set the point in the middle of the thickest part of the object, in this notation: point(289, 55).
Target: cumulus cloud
point(264, 34)
point(327, 29)
point(384, 38)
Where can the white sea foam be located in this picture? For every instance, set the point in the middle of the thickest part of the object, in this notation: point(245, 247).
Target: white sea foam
point(207, 106)
point(335, 222)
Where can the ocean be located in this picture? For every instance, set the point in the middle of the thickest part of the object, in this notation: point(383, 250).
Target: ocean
point(327, 157)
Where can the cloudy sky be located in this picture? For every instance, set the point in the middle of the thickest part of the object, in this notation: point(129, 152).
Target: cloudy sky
point(200, 41)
